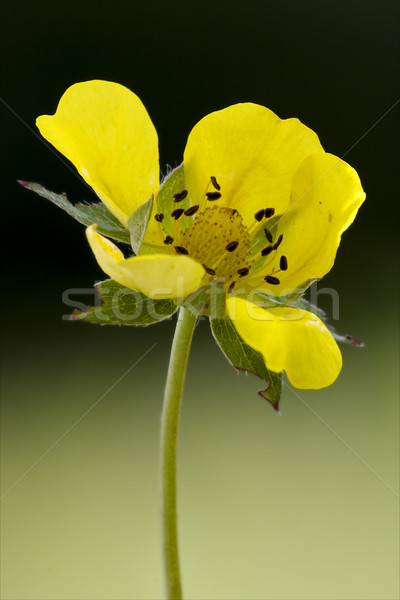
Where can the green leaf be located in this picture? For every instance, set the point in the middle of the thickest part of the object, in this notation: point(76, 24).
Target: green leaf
point(243, 357)
point(87, 214)
point(119, 305)
point(137, 224)
point(209, 300)
point(173, 184)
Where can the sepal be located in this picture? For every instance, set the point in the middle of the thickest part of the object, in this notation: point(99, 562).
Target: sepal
point(173, 184)
point(118, 305)
point(257, 242)
point(137, 224)
point(209, 300)
point(243, 357)
point(296, 300)
point(321, 314)
point(87, 214)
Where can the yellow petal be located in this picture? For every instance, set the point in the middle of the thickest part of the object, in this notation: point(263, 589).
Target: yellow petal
point(105, 131)
point(290, 340)
point(155, 275)
point(253, 155)
point(326, 196)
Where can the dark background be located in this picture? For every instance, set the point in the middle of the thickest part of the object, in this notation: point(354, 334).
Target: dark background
point(334, 65)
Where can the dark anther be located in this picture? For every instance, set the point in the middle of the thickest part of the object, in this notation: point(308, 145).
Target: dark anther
point(283, 263)
point(243, 272)
point(234, 211)
point(192, 210)
point(213, 195)
point(215, 183)
point(278, 242)
point(168, 240)
point(159, 217)
point(272, 280)
point(208, 270)
point(259, 215)
point(232, 246)
point(181, 250)
point(268, 235)
point(269, 212)
point(266, 251)
point(230, 288)
point(177, 213)
point(180, 195)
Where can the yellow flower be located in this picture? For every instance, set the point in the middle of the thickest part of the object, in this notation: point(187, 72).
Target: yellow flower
point(262, 209)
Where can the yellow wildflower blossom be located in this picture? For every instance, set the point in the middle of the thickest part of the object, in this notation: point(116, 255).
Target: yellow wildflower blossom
point(262, 208)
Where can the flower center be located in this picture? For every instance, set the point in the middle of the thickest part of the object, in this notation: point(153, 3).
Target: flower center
point(218, 239)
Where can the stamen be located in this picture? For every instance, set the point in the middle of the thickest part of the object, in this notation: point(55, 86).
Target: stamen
point(181, 250)
point(180, 196)
point(230, 288)
point(268, 235)
point(234, 211)
point(283, 263)
point(215, 183)
point(272, 280)
point(168, 240)
point(231, 246)
point(217, 239)
point(177, 213)
point(267, 250)
point(269, 212)
point(278, 242)
point(159, 217)
point(208, 270)
point(192, 210)
point(213, 195)
point(259, 215)
point(243, 271)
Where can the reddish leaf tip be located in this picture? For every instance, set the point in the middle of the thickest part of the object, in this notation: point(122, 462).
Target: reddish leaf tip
point(352, 340)
point(263, 394)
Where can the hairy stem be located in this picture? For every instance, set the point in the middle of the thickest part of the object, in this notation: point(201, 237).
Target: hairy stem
point(169, 433)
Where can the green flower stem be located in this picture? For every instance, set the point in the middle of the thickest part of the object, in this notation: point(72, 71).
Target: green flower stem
point(169, 433)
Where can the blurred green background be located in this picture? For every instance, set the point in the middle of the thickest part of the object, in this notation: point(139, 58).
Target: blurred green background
point(301, 505)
